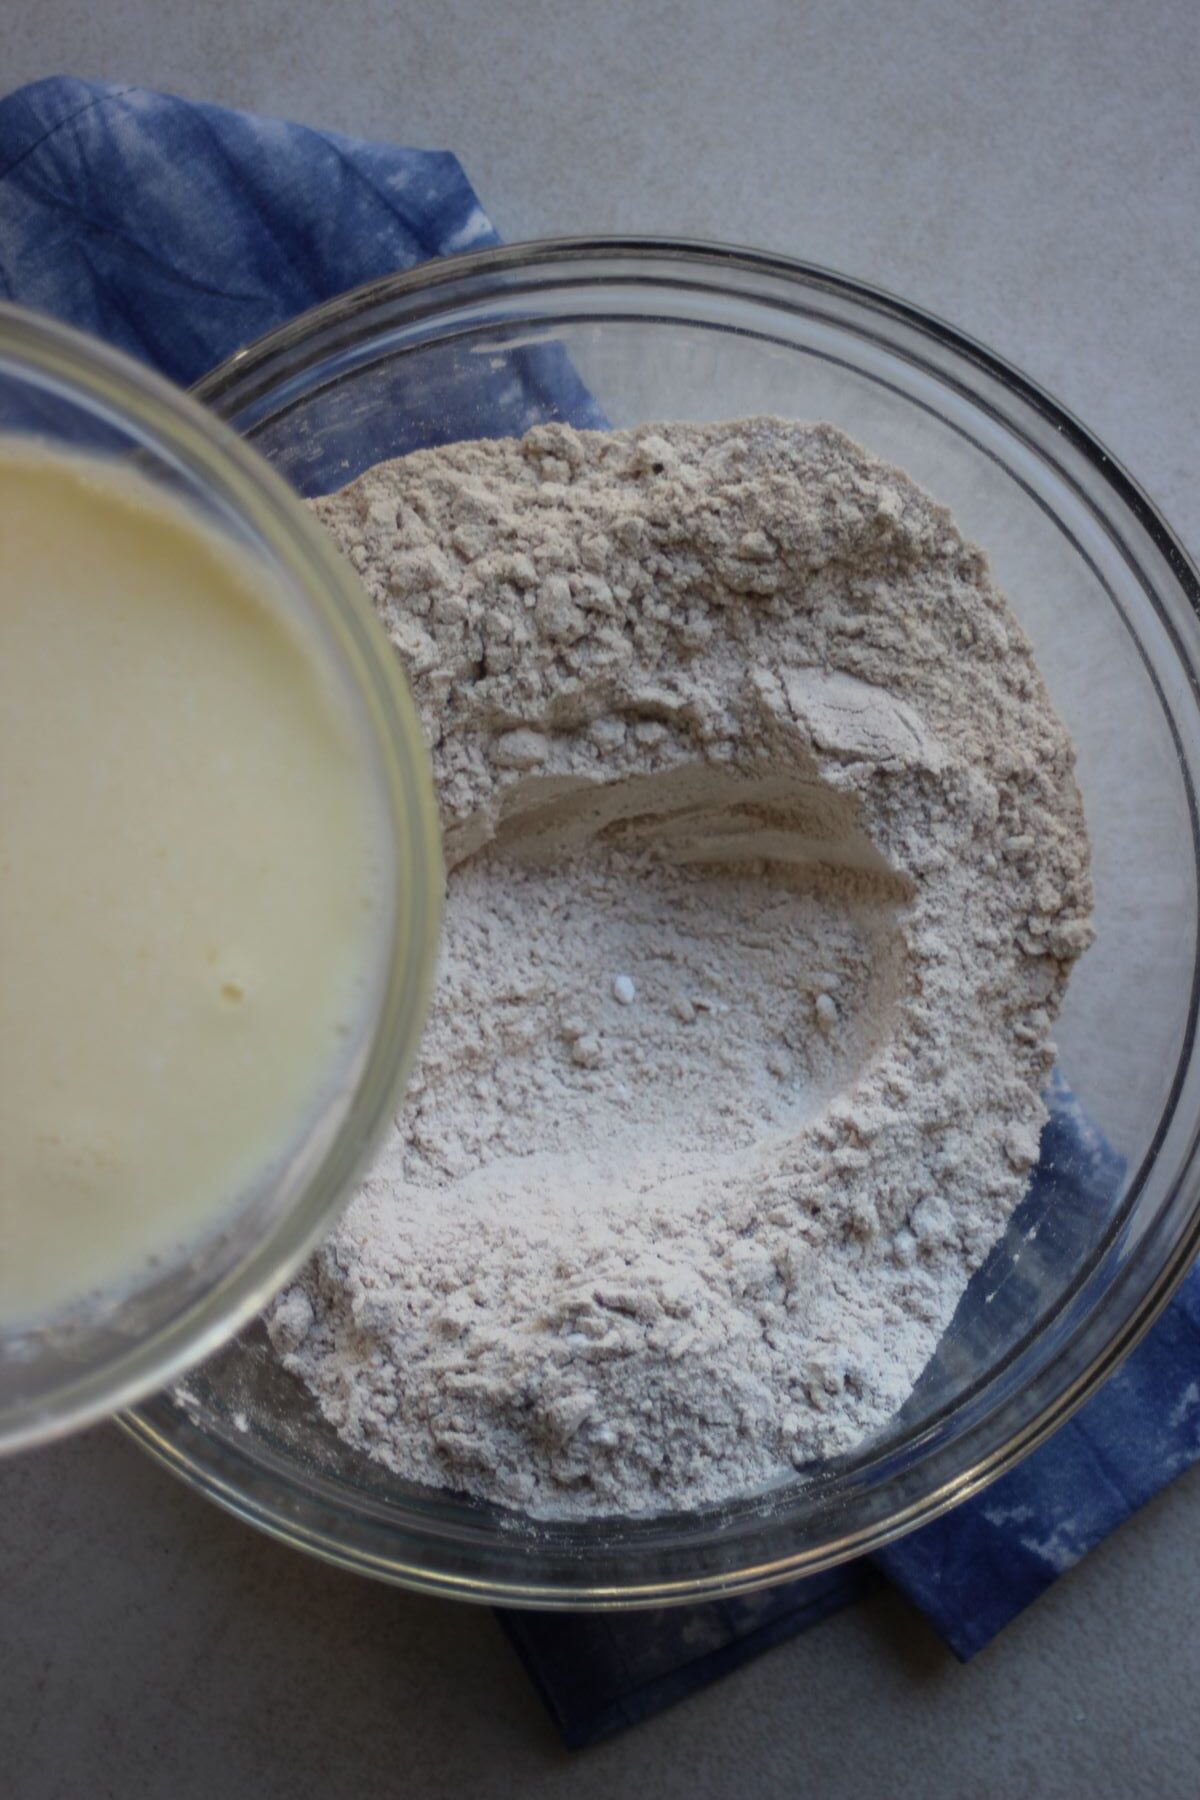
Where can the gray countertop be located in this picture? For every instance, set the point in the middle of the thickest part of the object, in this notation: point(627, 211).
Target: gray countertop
point(1030, 172)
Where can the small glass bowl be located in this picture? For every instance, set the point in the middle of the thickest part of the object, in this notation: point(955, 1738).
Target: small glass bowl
point(486, 344)
point(63, 390)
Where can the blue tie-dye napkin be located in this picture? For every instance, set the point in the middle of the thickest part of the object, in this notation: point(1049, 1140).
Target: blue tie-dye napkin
point(180, 232)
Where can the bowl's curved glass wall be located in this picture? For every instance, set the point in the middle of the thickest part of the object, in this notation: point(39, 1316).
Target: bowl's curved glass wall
point(625, 333)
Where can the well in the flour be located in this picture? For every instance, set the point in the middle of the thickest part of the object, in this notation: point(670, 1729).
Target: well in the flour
point(766, 870)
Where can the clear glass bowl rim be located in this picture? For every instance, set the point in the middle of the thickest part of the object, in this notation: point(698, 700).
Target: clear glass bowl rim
point(428, 1559)
point(107, 384)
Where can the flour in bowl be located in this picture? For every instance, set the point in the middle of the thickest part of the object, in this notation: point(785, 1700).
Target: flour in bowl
point(766, 872)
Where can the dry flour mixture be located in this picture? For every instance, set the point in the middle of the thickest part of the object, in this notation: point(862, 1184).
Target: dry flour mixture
point(767, 868)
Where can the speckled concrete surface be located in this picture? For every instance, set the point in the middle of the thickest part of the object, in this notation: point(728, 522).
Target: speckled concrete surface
point(154, 1647)
point(1029, 172)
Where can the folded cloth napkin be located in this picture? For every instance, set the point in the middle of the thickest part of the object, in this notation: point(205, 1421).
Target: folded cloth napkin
point(181, 231)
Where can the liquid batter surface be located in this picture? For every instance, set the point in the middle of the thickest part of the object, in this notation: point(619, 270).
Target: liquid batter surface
point(190, 903)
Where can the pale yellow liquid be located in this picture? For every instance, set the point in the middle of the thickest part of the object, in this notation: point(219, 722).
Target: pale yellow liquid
point(190, 900)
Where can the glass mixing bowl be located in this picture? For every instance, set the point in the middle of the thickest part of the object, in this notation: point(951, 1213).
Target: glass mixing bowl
point(635, 331)
point(64, 390)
